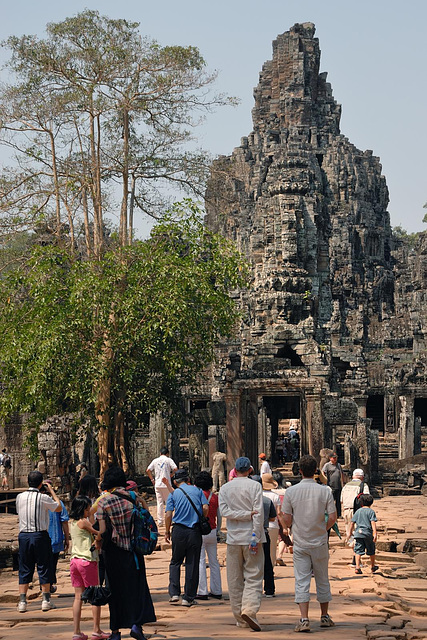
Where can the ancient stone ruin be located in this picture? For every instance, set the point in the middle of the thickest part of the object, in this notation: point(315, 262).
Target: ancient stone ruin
point(334, 322)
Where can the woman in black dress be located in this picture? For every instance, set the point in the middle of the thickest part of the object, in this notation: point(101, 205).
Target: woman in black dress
point(130, 604)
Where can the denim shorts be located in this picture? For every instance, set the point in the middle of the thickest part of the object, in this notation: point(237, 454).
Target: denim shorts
point(364, 545)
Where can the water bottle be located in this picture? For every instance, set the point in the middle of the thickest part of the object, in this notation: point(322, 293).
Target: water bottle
point(253, 546)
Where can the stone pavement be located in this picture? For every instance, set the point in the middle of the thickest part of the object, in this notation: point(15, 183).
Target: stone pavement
point(389, 605)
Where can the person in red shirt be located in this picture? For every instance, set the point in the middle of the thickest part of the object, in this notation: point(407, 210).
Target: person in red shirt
point(204, 481)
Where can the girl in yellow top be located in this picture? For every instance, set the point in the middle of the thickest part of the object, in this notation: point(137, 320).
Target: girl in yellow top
point(84, 564)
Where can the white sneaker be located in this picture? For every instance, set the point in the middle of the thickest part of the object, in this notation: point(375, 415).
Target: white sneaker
point(242, 624)
point(47, 605)
point(22, 606)
point(174, 599)
point(188, 603)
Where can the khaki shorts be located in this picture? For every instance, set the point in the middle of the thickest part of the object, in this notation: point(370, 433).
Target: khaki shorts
point(348, 514)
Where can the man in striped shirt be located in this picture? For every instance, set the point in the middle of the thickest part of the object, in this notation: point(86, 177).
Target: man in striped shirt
point(33, 508)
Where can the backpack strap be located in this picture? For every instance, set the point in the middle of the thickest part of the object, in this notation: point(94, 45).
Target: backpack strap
point(132, 497)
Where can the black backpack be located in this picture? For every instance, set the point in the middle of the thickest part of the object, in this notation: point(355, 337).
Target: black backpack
point(7, 462)
point(357, 502)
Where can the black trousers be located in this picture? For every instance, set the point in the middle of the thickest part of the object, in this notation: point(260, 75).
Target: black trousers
point(53, 566)
point(337, 498)
point(34, 549)
point(186, 545)
point(269, 588)
point(130, 601)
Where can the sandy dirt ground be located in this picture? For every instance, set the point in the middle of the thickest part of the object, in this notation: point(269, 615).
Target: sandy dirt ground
point(391, 604)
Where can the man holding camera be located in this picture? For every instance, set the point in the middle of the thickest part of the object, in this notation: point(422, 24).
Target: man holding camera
point(32, 507)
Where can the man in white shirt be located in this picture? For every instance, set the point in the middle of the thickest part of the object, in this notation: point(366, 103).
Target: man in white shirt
point(304, 508)
point(265, 467)
point(33, 508)
point(348, 494)
point(162, 467)
point(241, 503)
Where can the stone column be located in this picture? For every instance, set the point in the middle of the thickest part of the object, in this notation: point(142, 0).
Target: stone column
point(314, 439)
point(361, 406)
point(406, 427)
point(233, 423)
point(212, 438)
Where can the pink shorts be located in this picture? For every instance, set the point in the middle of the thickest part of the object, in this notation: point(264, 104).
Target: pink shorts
point(84, 573)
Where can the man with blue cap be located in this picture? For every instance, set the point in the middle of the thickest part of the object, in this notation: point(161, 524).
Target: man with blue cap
point(241, 503)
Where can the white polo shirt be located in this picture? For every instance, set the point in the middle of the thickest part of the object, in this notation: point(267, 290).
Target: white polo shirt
point(308, 502)
point(162, 467)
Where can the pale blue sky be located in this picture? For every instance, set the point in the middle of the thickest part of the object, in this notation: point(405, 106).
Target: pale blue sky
point(373, 50)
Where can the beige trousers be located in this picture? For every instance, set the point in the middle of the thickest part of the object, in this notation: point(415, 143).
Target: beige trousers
point(307, 561)
point(274, 535)
point(245, 574)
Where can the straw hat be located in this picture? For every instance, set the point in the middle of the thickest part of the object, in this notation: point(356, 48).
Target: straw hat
point(268, 482)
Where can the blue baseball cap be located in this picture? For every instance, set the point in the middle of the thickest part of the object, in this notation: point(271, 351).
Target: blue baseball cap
point(243, 464)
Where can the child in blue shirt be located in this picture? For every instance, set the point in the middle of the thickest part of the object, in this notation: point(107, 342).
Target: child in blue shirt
point(364, 530)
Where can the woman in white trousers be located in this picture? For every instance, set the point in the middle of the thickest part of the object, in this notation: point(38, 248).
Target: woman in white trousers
point(204, 481)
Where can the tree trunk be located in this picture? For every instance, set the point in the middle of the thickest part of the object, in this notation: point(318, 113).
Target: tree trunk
point(56, 184)
point(103, 402)
point(86, 223)
point(102, 412)
point(131, 209)
point(98, 237)
point(123, 228)
point(119, 435)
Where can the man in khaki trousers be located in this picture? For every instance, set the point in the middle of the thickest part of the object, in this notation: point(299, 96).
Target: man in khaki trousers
point(241, 503)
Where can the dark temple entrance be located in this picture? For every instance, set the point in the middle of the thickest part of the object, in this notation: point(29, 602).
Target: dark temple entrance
point(280, 413)
point(420, 425)
point(375, 411)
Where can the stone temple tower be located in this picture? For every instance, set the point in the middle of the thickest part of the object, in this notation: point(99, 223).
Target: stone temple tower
point(309, 211)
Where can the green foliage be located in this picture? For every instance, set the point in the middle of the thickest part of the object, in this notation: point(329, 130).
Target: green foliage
point(401, 234)
point(158, 307)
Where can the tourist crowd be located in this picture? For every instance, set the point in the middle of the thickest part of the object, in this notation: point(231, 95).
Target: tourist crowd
point(264, 521)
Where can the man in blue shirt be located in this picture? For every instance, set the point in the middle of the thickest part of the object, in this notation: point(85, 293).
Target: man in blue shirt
point(186, 537)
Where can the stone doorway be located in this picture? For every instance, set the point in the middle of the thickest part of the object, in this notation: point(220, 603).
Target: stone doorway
point(420, 425)
point(375, 411)
point(276, 415)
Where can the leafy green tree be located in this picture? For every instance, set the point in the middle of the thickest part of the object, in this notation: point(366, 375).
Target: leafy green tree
point(98, 119)
point(117, 337)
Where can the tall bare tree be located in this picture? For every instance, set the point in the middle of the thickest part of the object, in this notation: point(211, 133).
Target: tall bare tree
point(99, 119)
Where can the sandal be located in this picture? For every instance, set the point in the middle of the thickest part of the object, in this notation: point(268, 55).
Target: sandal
point(80, 636)
point(101, 636)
